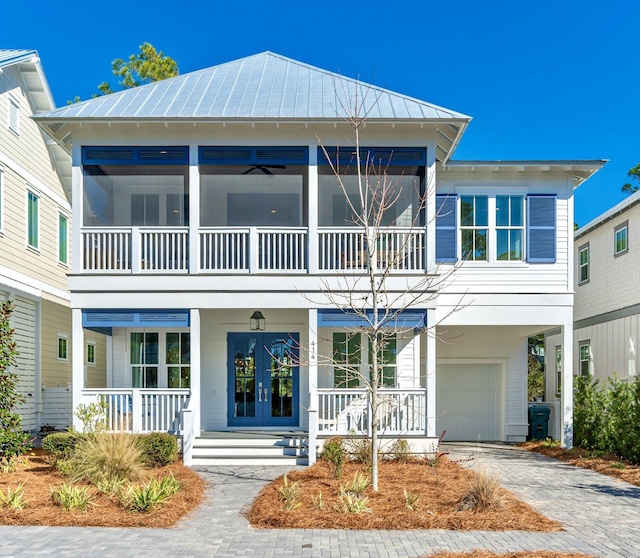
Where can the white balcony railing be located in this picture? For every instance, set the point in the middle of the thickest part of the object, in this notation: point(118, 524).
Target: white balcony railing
point(135, 250)
point(397, 249)
point(248, 250)
point(141, 410)
point(401, 411)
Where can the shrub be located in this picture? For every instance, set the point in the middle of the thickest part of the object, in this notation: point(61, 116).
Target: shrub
point(352, 503)
point(62, 445)
point(333, 453)
point(13, 442)
point(484, 494)
point(399, 451)
point(71, 497)
point(143, 498)
point(13, 498)
point(107, 457)
point(588, 412)
point(357, 486)
point(93, 416)
point(290, 493)
point(359, 449)
point(158, 448)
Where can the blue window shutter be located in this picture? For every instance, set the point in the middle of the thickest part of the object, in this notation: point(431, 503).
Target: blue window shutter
point(541, 229)
point(446, 228)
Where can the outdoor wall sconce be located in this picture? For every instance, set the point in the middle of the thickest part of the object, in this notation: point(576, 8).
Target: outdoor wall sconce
point(258, 321)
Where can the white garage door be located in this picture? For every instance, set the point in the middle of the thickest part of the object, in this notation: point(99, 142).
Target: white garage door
point(23, 322)
point(468, 400)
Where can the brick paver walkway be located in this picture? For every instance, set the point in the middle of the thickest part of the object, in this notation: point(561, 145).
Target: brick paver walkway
point(601, 516)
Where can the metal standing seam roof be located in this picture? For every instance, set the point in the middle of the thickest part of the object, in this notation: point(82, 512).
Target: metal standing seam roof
point(41, 99)
point(609, 214)
point(262, 86)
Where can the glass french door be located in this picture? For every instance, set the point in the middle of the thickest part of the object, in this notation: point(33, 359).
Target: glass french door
point(263, 379)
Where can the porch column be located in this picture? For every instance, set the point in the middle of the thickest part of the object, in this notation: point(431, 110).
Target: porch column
point(195, 368)
point(313, 384)
point(566, 434)
point(430, 364)
point(312, 211)
point(430, 210)
point(194, 210)
point(77, 364)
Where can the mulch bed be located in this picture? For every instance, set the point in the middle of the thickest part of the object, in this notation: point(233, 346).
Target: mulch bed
point(39, 477)
point(610, 465)
point(436, 509)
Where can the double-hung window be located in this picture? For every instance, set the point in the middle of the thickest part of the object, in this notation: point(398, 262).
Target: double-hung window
point(91, 352)
point(583, 264)
point(178, 358)
point(620, 239)
point(63, 239)
point(509, 228)
point(144, 359)
point(474, 223)
point(386, 360)
point(32, 219)
point(346, 359)
point(585, 358)
point(63, 346)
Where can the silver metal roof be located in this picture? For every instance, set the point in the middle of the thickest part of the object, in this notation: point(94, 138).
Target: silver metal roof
point(264, 86)
point(616, 210)
point(37, 90)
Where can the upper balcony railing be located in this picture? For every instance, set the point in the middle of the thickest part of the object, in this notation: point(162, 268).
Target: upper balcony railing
point(139, 250)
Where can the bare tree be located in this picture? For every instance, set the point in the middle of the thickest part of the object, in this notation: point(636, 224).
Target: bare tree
point(379, 253)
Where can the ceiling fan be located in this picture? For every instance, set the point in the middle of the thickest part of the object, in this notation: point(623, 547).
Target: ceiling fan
point(264, 168)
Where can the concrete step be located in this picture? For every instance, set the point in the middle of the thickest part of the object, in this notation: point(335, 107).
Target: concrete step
point(204, 441)
point(278, 460)
point(249, 450)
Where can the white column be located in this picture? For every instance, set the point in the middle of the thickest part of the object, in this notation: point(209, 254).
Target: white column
point(313, 384)
point(195, 369)
point(76, 205)
point(430, 210)
point(109, 361)
point(430, 361)
point(194, 210)
point(312, 210)
point(566, 434)
point(77, 364)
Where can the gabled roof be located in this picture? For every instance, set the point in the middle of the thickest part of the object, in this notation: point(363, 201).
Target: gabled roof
point(616, 210)
point(40, 99)
point(264, 86)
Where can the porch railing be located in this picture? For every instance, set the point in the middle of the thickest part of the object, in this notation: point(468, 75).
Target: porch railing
point(135, 250)
point(140, 410)
point(400, 411)
point(397, 249)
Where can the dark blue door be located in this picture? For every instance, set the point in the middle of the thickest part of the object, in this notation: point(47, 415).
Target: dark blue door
point(263, 379)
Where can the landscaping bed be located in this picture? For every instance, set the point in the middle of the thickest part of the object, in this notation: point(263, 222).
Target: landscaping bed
point(607, 464)
point(40, 477)
point(413, 495)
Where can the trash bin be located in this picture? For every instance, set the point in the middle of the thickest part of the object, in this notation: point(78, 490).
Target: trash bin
point(538, 422)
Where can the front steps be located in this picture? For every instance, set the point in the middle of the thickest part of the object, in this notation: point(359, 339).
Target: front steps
point(286, 449)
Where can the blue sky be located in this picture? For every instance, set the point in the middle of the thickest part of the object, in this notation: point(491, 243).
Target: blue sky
point(551, 79)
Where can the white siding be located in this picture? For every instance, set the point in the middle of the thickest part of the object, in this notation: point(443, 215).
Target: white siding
point(613, 281)
point(56, 405)
point(23, 321)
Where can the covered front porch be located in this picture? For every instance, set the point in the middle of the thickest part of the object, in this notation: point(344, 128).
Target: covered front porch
point(196, 371)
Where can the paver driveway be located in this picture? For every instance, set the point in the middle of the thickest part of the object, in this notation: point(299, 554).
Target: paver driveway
point(601, 517)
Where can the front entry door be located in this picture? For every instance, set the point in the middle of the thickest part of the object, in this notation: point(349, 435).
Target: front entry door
point(263, 379)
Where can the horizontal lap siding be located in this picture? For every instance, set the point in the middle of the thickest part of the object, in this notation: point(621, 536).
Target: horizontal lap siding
point(97, 373)
point(56, 407)
point(613, 281)
point(23, 321)
point(55, 319)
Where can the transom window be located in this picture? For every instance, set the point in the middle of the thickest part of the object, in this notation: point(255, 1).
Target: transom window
point(620, 239)
point(510, 227)
point(474, 222)
point(583, 264)
point(585, 358)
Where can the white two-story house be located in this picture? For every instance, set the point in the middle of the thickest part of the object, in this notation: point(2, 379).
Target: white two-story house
point(35, 247)
point(208, 224)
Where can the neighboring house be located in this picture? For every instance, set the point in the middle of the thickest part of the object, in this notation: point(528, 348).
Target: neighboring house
point(204, 202)
point(607, 299)
point(35, 243)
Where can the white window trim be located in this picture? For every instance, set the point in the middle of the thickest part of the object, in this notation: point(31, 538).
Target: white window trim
point(92, 343)
point(13, 102)
point(66, 216)
point(585, 343)
point(558, 371)
point(31, 190)
point(66, 338)
point(621, 227)
point(587, 265)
